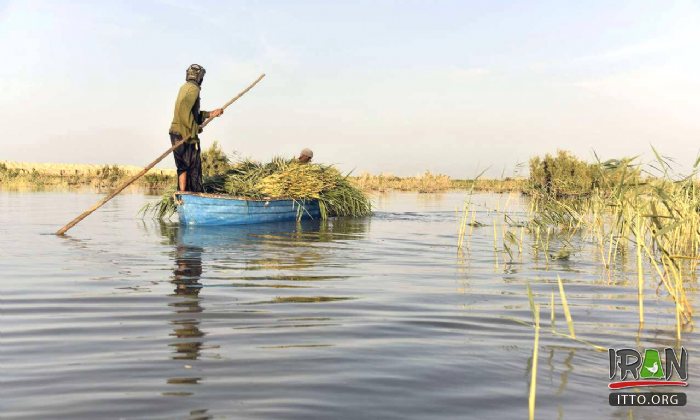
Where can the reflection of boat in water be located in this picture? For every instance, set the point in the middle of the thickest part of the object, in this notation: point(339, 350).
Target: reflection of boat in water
point(218, 210)
point(278, 246)
point(281, 233)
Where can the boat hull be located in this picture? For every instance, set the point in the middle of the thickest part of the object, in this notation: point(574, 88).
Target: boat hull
point(213, 210)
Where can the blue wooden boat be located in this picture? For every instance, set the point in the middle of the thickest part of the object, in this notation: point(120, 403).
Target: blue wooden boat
point(218, 210)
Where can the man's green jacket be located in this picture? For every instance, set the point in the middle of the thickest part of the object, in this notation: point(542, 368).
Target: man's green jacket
point(187, 117)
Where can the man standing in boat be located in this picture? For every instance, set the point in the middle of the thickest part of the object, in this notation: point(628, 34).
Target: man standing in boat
point(187, 120)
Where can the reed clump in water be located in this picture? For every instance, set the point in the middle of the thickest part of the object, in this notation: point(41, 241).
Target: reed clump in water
point(566, 176)
point(278, 179)
point(656, 215)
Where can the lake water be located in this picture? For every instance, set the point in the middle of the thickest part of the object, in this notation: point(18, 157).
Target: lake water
point(355, 318)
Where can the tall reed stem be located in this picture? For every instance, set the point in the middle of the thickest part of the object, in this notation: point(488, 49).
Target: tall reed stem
point(533, 378)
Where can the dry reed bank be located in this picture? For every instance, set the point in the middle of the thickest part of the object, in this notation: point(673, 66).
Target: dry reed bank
point(60, 176)
point(431, 183)
point(65, 176)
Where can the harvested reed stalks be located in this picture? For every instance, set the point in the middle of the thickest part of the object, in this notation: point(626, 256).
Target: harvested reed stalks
point(280, 178)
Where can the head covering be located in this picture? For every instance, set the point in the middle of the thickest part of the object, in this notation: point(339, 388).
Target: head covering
point(307, 152)
point(195, 73)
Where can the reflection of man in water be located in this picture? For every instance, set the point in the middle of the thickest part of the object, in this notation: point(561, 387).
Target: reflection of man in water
point(188, 271)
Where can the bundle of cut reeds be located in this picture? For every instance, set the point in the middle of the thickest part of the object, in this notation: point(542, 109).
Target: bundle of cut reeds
point(280, 178)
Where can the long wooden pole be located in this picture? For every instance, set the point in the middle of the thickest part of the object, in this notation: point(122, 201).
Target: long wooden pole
point(121, 188)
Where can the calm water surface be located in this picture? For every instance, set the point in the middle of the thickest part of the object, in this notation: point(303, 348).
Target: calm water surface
point(356, 318)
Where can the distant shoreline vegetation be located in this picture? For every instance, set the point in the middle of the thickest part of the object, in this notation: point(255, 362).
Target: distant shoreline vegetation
point(561, 175)
point(66, 177)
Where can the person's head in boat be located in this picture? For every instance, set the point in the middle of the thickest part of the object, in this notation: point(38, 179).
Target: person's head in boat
point(305, 156)
point(195, 74)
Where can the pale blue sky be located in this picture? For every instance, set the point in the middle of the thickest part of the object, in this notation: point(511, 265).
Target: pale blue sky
point(396, 86)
